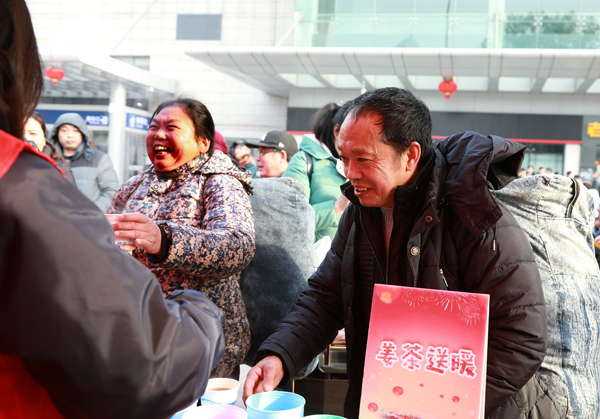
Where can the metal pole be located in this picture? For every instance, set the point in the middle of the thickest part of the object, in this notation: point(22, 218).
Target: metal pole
point(496, 28)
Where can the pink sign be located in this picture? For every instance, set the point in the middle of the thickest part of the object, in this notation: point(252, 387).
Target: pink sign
point(426, 354)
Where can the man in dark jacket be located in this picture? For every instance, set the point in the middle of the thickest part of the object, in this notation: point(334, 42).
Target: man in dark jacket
point(421, 217)
point(92, 169)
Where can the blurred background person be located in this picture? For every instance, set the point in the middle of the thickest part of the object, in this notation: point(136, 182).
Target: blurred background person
point(317, 167)
point(35, 133)
point(275, 149)
point(92, 169)
point(191, 219)
point(220, 143)
point(86, 332)
point(243, 156)
point(530, 171)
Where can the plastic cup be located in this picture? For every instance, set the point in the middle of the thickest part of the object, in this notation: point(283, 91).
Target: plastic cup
point(179, 414)
point(275, 405)
point(113, 219)
point(215, 411)
point(220, 391)
point(324, 417)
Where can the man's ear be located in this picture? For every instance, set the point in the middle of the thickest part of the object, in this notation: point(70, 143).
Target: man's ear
point(413, 155)
point(283, 157)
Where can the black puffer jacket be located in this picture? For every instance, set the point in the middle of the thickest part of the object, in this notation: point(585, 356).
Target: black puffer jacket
point(455, 231)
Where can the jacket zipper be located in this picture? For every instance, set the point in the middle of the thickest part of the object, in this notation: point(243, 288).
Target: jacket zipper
point(372, 249)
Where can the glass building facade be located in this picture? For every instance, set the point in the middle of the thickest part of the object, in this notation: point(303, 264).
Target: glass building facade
point(556, 24)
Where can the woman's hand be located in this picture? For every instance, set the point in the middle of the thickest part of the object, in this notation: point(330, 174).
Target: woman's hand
point(141, 229)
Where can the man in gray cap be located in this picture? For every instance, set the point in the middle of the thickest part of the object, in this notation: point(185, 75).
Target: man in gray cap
point(92, 169)
point(275, 150)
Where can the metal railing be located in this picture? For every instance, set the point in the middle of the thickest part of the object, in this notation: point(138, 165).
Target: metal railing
point(451, 30)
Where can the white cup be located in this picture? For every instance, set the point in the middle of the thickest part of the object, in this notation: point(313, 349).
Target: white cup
point(113, 219)
point(220, 391)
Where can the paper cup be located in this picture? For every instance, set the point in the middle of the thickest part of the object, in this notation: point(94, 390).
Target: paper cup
point(215, 411)
point(220, 391)
point(275, 405)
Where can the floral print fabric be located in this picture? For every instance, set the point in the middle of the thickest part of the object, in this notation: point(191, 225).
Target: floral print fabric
point(204, 207)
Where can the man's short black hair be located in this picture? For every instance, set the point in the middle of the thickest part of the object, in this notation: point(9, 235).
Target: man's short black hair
point(403, 117)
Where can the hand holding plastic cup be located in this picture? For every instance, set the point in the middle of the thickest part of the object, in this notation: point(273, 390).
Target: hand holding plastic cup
point(220, 391)
point(125, 244)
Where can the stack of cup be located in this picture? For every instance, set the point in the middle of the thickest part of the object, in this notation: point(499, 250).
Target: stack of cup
point(275, 405)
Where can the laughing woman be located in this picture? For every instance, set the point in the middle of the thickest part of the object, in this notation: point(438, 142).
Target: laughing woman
point(190, 217)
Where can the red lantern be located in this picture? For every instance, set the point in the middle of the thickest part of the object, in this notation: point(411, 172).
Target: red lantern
point(55, 74)
point(447, 87)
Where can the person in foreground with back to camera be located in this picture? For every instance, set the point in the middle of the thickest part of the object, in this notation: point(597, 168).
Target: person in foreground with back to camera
point(420, 216)
point(84, 329)
point(191, 219)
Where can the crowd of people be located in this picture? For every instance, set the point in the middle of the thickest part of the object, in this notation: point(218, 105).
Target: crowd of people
point(93, 330)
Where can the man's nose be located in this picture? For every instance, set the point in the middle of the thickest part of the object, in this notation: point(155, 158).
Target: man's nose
point(352, 171)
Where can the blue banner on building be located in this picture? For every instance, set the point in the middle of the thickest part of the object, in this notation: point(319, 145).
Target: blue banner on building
point(137, 122)
point(97, 118)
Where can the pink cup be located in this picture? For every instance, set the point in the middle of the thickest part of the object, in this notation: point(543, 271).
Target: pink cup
point(216, 411)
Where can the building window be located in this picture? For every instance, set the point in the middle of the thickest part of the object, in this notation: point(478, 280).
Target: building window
point(199, 27)
point(136, 61)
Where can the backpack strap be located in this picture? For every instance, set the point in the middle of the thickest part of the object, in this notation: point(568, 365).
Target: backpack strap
point(309, 166)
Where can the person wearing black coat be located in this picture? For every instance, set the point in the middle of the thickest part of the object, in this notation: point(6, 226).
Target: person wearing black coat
point(428, 221)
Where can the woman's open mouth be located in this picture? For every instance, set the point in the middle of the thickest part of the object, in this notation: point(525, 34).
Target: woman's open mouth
point(161, 150)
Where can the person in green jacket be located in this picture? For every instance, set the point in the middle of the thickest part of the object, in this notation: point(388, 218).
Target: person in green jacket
point(317, 167)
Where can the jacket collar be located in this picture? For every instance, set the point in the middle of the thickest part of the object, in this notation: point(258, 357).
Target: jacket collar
point(474, 164)
point(218, 163)
point(315, 149)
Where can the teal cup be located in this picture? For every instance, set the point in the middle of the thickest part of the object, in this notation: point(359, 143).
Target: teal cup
point(275, 405)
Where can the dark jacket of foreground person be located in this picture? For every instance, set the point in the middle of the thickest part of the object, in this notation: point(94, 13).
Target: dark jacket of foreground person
point(84, 329)
point(464, 231)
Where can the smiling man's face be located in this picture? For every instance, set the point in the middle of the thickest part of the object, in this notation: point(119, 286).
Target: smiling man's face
point(374, 168)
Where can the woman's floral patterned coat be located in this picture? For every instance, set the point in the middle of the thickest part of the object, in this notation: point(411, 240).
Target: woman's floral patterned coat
point(203, 207)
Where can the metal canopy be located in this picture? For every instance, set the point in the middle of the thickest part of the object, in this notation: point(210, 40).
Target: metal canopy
point(89, 76)
point(276, 70)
